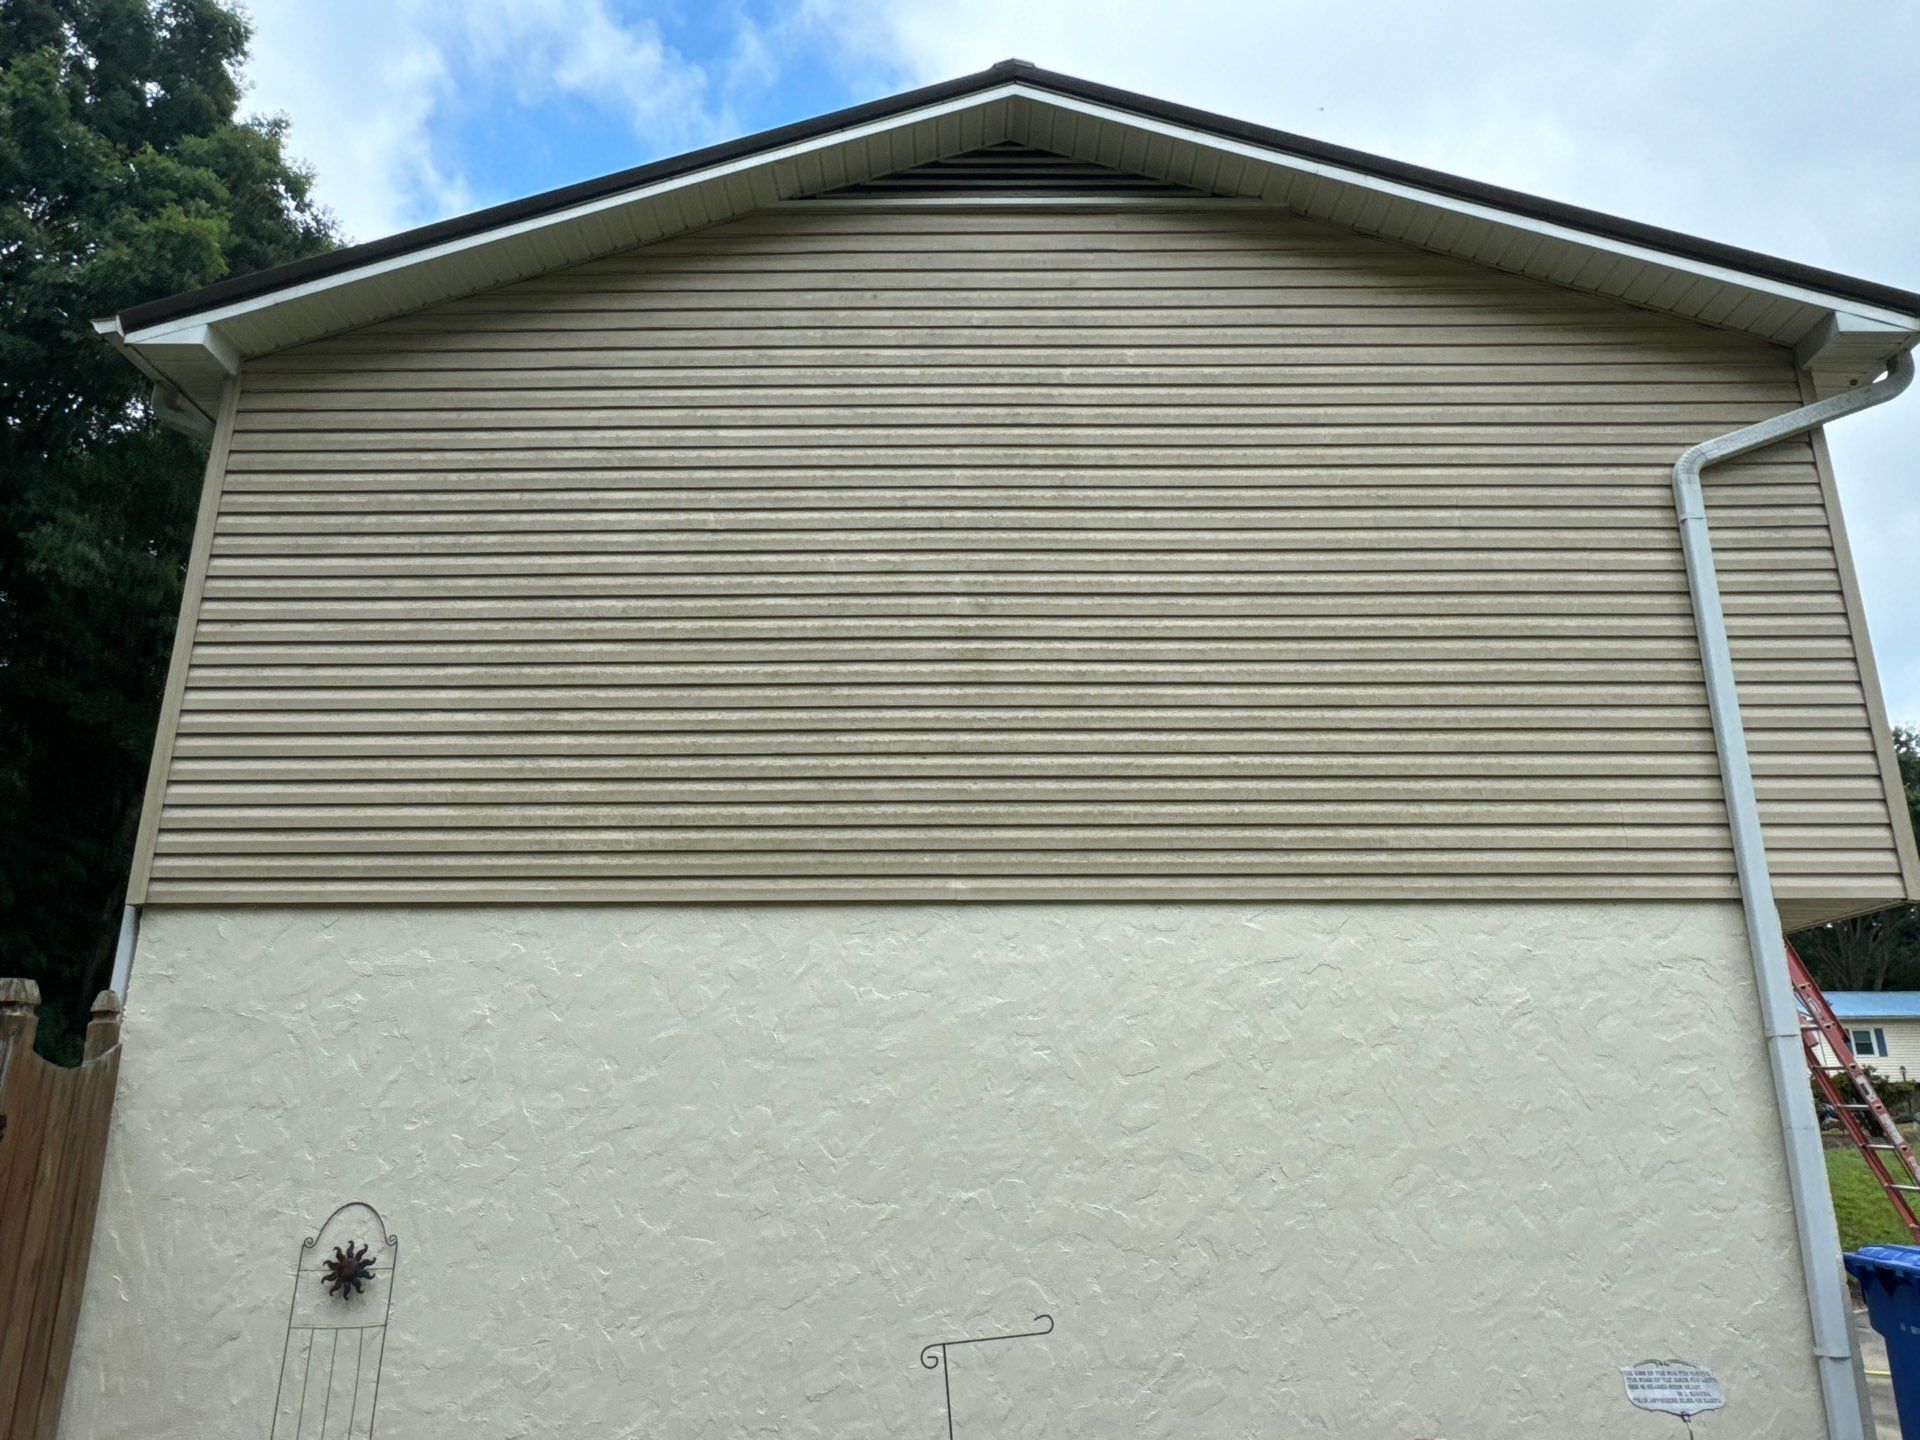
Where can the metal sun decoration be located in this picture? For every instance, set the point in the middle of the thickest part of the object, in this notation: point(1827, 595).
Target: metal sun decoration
point(337, 1318)
point(349, 1269)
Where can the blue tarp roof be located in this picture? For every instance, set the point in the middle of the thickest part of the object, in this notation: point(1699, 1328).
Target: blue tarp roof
point(1875, 1004)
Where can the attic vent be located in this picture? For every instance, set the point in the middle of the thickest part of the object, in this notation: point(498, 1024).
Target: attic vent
point(1010, 169)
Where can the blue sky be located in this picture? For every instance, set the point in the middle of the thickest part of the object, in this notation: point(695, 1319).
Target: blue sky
point(1789, 129)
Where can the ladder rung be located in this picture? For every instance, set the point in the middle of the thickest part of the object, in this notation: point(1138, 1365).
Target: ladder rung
point(1911, 1189)
point(1851, 1106)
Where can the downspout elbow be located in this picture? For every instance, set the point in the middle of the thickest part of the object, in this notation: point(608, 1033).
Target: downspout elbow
point(1686, 470)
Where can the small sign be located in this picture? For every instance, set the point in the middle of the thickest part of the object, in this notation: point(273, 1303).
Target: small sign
point(1672, 1387)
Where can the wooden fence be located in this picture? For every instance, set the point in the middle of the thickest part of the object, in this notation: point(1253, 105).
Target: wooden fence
point(51, 1150)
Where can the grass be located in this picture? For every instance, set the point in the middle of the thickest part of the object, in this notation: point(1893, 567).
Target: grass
point(1865, 1214)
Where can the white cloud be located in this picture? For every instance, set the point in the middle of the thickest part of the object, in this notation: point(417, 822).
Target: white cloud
point(539, 49)
point(373, 90)
point(359, 84)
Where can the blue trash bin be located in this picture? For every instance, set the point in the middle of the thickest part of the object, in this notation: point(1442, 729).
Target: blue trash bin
point(1889, 1277)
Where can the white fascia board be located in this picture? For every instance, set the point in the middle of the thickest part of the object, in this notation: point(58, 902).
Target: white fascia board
point(204, 337)
point(197, 328)
point(188, 415)
point(1851, 329)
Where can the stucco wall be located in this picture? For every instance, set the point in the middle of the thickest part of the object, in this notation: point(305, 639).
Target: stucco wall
point(1371, 1170)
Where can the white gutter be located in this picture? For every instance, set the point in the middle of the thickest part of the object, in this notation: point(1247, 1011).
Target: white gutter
point(1779, 1015)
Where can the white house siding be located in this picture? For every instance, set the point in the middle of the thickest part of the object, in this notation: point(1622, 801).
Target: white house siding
point(1145, 554)
point(1902, 1060)
point(1387, 1170)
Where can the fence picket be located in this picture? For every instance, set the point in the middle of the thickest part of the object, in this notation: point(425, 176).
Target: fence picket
point(52, 1151)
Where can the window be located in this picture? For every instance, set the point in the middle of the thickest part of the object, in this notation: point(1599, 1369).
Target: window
point(1869, 1042)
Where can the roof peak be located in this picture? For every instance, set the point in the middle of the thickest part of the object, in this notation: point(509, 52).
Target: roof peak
point(1069, 86)
point(1775, 300)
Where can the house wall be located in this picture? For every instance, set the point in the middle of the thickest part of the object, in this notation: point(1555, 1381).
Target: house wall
point(1153, 553)
point(1902, 1060)
point(1396, 1169)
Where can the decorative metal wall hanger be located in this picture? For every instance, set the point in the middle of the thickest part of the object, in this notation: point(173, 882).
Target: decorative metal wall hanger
point(934, 1356)
point(337, 1328)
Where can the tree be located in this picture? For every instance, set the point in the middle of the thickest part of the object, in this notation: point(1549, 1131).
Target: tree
point(1880, 951)
point(125, 175)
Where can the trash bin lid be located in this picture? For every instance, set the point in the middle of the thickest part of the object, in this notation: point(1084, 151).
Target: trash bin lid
point(1889, 1264)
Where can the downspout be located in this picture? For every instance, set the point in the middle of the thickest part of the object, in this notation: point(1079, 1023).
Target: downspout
point(1779, 1016)
point(123, 951)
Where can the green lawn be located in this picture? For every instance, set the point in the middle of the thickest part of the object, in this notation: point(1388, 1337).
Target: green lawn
point(1865, 1214)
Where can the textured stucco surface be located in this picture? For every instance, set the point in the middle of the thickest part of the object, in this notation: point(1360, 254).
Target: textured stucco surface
point(1381, 1170)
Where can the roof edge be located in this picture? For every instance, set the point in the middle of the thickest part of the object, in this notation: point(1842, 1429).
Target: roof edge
point(1454, 187)
point(1457, 187)
point(458, 227)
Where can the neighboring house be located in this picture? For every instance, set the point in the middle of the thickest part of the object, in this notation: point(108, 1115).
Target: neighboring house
point(1019, 702)
point(1883, 1027)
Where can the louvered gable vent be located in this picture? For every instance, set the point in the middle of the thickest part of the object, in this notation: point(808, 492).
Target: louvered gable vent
point(1010, 169)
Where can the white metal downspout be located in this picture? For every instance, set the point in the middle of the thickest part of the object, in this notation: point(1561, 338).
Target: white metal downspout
point(123, 951)
point(1779, 1017)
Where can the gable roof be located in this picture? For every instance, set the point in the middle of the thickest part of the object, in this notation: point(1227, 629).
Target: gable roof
point(1844, 328)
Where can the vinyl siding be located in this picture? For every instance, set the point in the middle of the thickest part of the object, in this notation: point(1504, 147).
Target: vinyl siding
point(849, 552)
point(1902, 1060)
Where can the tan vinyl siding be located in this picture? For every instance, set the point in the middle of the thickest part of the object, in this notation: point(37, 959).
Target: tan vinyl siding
point(844, 552)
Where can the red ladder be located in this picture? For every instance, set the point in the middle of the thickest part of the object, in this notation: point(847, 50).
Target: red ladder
point(1862, 1114)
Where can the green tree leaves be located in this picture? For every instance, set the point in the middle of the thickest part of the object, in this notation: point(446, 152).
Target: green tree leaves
point(125, 175)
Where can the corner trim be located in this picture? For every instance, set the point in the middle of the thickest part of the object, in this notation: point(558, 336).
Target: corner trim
point(1878, 721)
point(198, 559)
